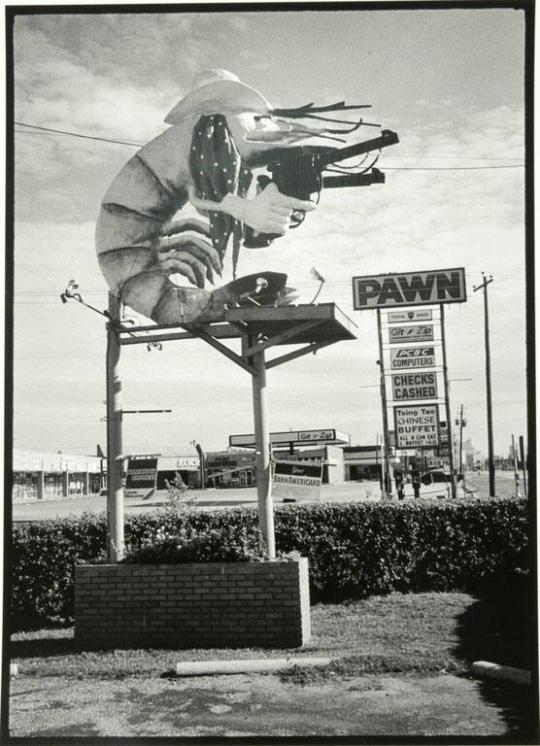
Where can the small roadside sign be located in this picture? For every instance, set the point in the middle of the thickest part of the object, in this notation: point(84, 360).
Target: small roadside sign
point(141, 476)
point(412, 333)
point(297, 480)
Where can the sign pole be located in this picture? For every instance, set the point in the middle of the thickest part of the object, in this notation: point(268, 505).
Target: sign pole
point(387, 484)
point(515, 465)
point(523, 466)
point(447, 406)
point(262, 451)
point(115, 491)
point(461, 441)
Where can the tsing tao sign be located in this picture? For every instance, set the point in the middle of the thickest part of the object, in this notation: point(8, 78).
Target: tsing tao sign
point(409, 289)
point(417, 426)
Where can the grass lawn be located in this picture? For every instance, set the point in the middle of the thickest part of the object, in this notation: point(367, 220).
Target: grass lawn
point(392, 656)
point(399, 632)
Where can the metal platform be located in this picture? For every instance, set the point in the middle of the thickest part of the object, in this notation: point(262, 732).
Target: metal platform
point(259, 328)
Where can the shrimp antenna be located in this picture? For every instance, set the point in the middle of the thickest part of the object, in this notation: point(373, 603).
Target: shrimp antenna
point(307, 109)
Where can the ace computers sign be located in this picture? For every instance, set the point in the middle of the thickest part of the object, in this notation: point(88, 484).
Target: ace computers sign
point(412, 357)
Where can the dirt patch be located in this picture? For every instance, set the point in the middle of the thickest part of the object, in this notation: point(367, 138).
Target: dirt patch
point(254, 705)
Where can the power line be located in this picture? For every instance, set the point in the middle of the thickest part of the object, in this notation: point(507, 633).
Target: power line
point(78, 134)
point(447, 168)
point(50, 130)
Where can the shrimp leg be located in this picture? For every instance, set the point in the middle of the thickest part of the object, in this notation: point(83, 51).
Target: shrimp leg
point(200, 255)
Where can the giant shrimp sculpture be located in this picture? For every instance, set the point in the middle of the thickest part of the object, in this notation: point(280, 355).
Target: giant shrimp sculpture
point(220, 132)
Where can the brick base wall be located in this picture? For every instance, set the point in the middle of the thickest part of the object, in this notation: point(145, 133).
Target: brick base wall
point(244, 604)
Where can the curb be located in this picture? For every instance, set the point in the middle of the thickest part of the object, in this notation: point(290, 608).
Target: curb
point(487, 670)
point(210, 668)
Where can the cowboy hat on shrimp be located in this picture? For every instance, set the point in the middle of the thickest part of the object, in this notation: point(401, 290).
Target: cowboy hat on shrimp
point(249, 114)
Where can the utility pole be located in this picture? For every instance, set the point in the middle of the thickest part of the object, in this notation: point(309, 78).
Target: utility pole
point(485, 282)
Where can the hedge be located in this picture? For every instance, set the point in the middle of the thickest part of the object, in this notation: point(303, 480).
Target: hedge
point(355, 550)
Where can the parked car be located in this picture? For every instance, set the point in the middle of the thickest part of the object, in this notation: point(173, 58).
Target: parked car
point(435, 476)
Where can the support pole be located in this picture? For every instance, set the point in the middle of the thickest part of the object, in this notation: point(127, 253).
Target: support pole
point(115, 491)
point(387, 482)
point(262, 451)
point(447, 406)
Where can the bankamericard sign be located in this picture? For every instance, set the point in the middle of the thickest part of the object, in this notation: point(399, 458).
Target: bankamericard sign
point(409, 289)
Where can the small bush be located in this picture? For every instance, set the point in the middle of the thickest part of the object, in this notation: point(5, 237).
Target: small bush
point(229, 544)
point(354, 550)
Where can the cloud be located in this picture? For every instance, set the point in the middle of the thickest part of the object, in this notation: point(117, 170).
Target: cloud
point(116, 76)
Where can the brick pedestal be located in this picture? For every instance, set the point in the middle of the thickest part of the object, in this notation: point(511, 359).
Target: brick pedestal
point(244, 604)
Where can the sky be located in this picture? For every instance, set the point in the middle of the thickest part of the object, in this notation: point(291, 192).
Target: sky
point(450, 82)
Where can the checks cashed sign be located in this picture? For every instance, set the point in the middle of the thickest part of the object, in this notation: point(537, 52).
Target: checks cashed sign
point(417, 426)
point(408, 386)
point(297, 480)
point(409, 289)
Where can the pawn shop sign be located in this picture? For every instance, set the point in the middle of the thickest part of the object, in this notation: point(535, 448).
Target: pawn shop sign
point(409, 289)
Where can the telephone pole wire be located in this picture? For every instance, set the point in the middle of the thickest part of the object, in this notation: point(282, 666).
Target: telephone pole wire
point(485, 282)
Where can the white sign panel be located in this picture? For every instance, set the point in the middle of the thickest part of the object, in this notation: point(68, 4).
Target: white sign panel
point(424, 314)
point(417, 426)
point(328, 435)
point(297, 480)
point(412, 357)
point(316, 435)
point(409, 289)
point(413, 333)
point(408, 386)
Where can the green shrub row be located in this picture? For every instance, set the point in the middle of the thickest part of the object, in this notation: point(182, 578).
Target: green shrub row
point(354, 550)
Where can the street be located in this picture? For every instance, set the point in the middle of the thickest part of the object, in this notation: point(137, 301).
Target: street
point(211, 499)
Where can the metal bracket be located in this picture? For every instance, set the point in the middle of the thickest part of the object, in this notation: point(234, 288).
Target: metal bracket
point(226, 351)
point(311, 348)
point(280, 338)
